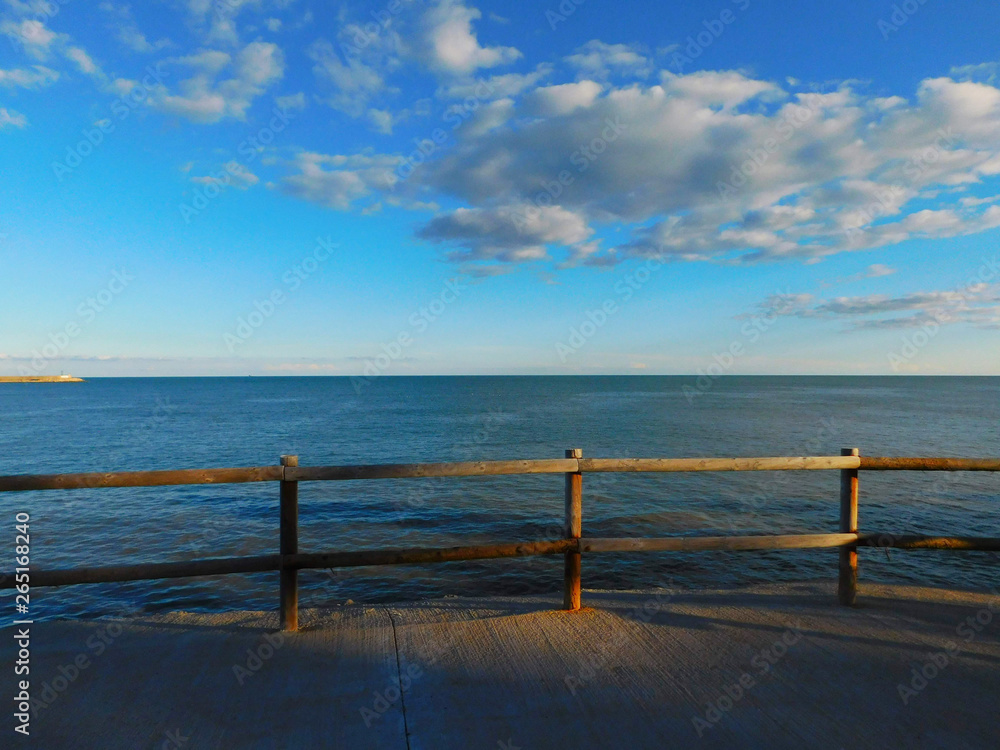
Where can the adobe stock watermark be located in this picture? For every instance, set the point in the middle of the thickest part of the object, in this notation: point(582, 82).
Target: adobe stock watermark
point(582, 158)
point(419, 322)
point(454, 116)
point(610, 646)
point(367, 33)
point(120, 110)
point(786, 127)
point(86, 313)
point(752, 503)
point(41, 11)
point(248, 149)
point(562, 12)
point(887, 198)
point(698, 43)
point(761, 664)
point(921, 675)
point(385, 699)
point(96, 645)
point(258, 656)
point(247, 325)
point(900, 16)
point(724, 361)
point(914, 343)
point(597, 318)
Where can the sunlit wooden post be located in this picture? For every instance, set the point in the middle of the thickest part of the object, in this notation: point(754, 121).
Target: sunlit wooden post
point(289, 545)
point(573, 530)
point(847, 587)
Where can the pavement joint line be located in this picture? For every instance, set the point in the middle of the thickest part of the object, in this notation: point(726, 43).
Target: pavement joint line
point(399, 679)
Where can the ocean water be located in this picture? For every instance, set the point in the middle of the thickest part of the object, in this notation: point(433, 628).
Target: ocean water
point(135, 424)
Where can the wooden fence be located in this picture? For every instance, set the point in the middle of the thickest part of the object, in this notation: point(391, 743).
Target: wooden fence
point(289, 560)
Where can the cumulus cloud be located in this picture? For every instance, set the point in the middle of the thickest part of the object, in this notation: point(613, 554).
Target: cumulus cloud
point(495, 87)
point(233, 173)
point(445, 41)
point(127, 31)
point(712, 166)
point(513, 233)
point(30, 7)
point(37, 77)
point(41, 43)
point(292, 101)
point(10, 118)
point(205, 98)
point(552, 101)
point(340, 181)
point(83, 61)
point(356, 80)
point(595, 59)
point(32, 34)
point(217, 20)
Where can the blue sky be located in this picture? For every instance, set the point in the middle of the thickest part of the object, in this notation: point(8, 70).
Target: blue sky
point(390, 188)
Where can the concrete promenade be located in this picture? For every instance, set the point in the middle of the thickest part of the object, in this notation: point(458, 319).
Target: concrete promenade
point(766, 667)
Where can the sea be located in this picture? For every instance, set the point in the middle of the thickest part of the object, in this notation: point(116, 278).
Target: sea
point(130, 424)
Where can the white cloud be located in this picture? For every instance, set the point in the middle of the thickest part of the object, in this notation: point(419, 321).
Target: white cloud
point(596, 59)
point(715, 165)
point(204, 99)
point(292, 101)
point(354, 82)
point(32, 34)
point(495, 87)
point(10, 118)
point(445, 41)
point(38, 77)
point(83, 61)
point(977, 304)
point(552, 101)
point(32, 7)
point(127, 31)
point(232, 173)
point(511, 233)
point(41, 43)
point(381, 120)
point(339, 181)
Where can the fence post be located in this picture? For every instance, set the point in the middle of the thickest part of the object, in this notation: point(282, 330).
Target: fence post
point(847, 586)
point(289, 546)
point(573, 530)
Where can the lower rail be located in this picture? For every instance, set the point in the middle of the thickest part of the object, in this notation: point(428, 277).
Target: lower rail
point(427, 555)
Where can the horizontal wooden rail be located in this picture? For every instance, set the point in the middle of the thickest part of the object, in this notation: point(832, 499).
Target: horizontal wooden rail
point(875, 463)
point(150, 571)
point(34, 482)
point(421, 555)
point(415, 556)
point(919, 541)
point(31, 482)
point(406, 471)
point(731, 543)
point(264, 563)
point(795, 463)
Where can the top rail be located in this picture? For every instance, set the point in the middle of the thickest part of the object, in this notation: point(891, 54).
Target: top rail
point(406, 471)
point(29, 482)
point(874, 463)
point(795, 463)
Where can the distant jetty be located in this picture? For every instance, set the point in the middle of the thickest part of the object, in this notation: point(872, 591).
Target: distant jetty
point(40, 379)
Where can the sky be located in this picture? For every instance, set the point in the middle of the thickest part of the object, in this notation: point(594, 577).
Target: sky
point(286, 187)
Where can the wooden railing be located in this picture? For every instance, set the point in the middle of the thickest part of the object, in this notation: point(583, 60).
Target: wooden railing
point(290, 560)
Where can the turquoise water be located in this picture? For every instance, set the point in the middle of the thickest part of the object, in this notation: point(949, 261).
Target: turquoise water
point(132, 424)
